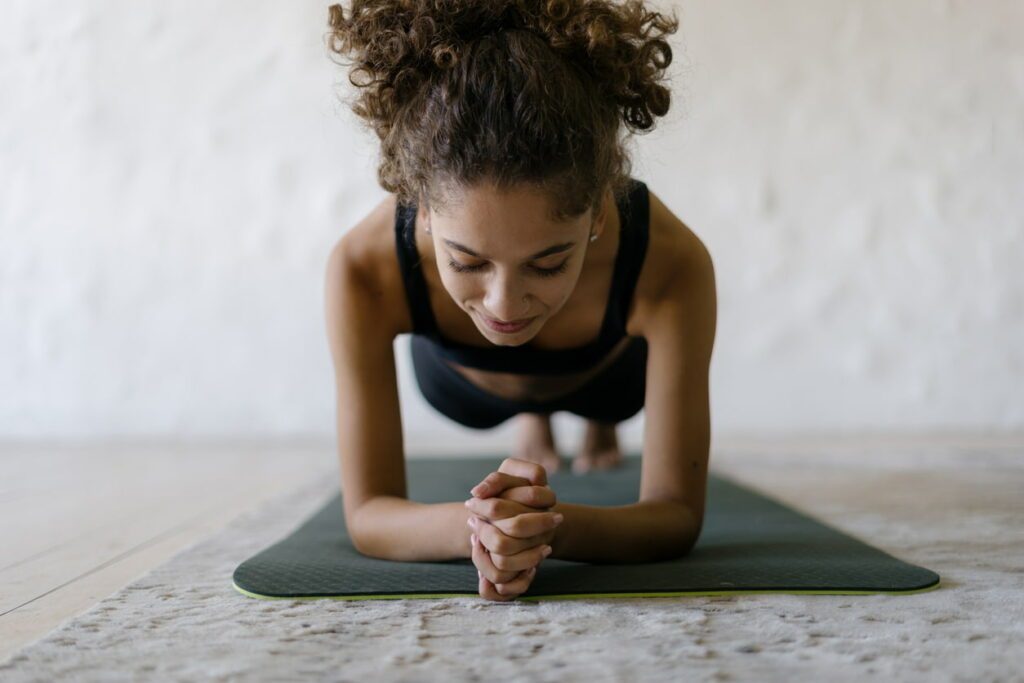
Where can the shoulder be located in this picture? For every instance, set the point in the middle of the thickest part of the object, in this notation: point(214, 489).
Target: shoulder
point(678, 276)
point(364, 264)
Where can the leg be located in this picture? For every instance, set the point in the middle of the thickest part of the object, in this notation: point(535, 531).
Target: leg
point(537, 441)
point(614, 396)
point(600, 448)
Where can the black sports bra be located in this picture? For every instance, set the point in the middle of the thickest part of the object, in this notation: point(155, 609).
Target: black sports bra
point(634, 215)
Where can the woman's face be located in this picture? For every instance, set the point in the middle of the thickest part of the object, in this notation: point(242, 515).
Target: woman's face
point(502, 259)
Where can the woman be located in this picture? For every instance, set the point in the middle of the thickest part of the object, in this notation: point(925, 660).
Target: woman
point(534, 273)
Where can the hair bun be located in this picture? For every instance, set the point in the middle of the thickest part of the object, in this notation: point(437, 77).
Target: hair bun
point(516, 88)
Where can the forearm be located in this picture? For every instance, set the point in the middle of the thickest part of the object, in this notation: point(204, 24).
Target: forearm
point(393, 528)
point(640, 532)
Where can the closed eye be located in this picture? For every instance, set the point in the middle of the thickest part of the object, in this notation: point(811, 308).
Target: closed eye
point(543, 272)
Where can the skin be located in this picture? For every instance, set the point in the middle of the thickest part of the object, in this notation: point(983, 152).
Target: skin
point(514, 526)
point(482, 249)
point(674, 308)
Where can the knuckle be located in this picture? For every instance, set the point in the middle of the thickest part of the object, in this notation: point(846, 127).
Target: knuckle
point(487, 543)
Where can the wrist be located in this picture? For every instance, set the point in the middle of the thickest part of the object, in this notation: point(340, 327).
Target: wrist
point(462, 548)
point(558, 533)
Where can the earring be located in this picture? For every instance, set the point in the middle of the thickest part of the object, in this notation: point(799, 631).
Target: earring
point(593, 237)
point(428, 231)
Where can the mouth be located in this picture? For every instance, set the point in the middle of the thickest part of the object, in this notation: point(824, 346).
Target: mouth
point(509, 327)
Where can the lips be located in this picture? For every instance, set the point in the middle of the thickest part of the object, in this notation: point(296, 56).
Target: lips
point(507, 328)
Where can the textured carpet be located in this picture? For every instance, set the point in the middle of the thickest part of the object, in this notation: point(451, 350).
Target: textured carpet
point(183, 621)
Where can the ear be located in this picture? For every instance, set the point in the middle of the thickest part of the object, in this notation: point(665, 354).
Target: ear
point(600, 218)
point(423, 218)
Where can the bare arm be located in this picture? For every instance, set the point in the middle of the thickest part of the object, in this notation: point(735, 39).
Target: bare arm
point(642, 532)
point(381, 521)
point(667, 520)
point(399, 529)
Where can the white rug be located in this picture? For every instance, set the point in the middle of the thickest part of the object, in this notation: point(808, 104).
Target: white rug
point(184, 621)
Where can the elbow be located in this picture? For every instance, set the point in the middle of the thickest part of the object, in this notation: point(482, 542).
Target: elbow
point(359, 542)
point(356, 538)
point(689, 543)
point(678, 549)
point(694, 528)
point(687, 538)
point(368, 546)
point(360, 538)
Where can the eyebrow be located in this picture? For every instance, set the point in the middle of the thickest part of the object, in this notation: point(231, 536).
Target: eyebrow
point(554, 249)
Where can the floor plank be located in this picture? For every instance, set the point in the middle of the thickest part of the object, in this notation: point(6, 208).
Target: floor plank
point(80, 522)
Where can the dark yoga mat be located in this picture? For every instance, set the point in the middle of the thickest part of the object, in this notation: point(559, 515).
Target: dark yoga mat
point(749, 544)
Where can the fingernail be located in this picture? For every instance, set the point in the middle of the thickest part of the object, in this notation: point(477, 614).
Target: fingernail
point(478, 489)
point(466, 503)
point(533, 570)
point(546, 551)
point(472, 541)
point(471, 521)
point(559, 517)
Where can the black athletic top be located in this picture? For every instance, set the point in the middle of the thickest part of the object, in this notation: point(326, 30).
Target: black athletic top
point(526, 359)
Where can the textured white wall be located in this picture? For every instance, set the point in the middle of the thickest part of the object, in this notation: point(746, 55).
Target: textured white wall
point(172, 177)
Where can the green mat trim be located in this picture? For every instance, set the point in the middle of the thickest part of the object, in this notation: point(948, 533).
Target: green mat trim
point(534, 598)
point(750, 544)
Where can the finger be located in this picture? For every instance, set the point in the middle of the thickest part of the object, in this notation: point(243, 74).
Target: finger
point(496, 541)
point(535, 472)
point(528, 524)
point(517, 585)
point(496, 508)
point(488, 591)
point(496, 482)
point(483, 563)
point(531, 496)
point(530, 557)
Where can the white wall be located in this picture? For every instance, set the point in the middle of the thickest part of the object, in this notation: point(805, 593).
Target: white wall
point(172, 177)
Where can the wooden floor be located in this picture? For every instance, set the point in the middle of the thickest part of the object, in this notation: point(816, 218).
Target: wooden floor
point(80, 522)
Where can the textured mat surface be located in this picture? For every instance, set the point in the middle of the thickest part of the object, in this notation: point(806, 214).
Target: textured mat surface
point(750, 543)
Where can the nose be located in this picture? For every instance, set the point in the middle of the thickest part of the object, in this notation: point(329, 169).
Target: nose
point(506, 300)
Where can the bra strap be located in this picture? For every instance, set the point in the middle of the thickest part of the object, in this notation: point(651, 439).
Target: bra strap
point(634, 239)
point(412, 271)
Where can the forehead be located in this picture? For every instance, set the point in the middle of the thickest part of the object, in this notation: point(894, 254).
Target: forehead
point(513, 221)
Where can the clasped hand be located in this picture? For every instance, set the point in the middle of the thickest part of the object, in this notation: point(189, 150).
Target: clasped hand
point(512, 527)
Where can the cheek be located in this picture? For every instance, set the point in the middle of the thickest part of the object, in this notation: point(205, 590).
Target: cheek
point(460, 287)
point(554, 294)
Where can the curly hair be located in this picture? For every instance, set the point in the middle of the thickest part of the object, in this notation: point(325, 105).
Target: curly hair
point(504, 91)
